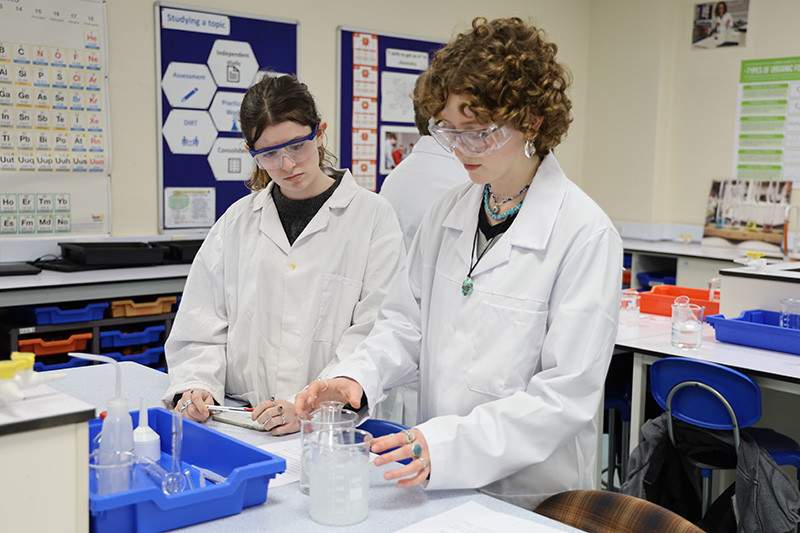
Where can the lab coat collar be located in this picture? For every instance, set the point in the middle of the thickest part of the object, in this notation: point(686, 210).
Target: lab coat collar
point(270, 224)
point(532, 228)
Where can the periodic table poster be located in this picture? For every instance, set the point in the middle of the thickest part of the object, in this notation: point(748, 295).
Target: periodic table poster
point(54, 148)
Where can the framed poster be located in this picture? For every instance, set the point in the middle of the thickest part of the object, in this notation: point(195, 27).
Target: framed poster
point(205, 62)
point(375, 122)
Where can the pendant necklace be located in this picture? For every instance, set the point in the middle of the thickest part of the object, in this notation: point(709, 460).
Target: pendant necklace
point(466, 286)
point(499, 200)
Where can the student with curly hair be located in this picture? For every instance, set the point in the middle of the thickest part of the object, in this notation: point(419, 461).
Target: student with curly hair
point(289, 279)
point(508, 309)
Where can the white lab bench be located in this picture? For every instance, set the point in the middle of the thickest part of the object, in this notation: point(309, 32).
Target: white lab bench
point(286, 508)
point(44, 446)
point(694, 263)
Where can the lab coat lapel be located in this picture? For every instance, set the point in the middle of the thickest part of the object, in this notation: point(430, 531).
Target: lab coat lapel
point(463, 217)
point(536, 218)
point(340, 199)
point(270, 224)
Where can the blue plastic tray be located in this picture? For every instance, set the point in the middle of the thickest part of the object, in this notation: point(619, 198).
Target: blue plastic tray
point(145, 508)
point(117, 339)
point(757, 328)
point(147, 357)
point(73, 362)
point(55, 315)
point(652, 279)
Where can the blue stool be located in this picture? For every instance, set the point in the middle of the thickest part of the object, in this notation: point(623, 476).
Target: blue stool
point(379, 428)
point(716, 397)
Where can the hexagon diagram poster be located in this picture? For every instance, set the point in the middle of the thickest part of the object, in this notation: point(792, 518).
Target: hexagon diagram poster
point(206, 60)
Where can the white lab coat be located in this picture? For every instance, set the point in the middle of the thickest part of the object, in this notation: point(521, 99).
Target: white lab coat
point(261, 318)
point(412, 187)
point(419, 180)
point(511, 376)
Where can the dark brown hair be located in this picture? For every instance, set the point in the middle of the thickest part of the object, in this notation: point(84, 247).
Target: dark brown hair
point(507, 72)
point(271, 101)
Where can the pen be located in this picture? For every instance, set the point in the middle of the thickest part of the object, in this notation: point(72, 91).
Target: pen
point(227, 408)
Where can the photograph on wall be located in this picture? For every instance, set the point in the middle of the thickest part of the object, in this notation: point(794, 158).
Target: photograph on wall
point(396, 143)
point(719, 24)
point(746, 210)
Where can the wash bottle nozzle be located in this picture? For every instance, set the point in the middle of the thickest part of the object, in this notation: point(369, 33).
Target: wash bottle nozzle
point(146, 442)
point(115, 454)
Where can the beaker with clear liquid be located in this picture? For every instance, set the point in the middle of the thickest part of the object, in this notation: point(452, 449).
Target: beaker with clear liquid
point(339, 476)
point(687, 324)
point(326, 417)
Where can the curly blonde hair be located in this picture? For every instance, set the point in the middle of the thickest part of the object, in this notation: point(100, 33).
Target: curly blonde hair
point(507, 72)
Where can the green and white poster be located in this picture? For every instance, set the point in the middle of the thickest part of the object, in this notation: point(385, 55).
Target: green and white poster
point(767, 135)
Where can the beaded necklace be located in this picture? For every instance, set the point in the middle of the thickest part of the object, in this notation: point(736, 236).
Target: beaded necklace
point(498, 201)
point(492, 213)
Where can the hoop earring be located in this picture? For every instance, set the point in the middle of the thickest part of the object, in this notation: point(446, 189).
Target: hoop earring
point(530, 148)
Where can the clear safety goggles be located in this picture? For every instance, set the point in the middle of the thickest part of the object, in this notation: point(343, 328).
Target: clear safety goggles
point(471, 143)
point(296, 151)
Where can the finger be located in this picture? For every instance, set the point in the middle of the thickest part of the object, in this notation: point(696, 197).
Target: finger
point(411, 469)
point(416, 480)
point(387, 442)
point(284, 429)
point(394, 455)
point(199, 401)
point(259, 409)
point(274, 422)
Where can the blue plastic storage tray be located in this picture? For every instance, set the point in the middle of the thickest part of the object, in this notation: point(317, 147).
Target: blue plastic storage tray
point(147, 357)
point(652, 279)
point(73, 362)
point(55, 315)
point(145, 508)
point(117, 339)
point(757, 328)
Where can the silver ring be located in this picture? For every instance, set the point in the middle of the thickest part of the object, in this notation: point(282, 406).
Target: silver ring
point(424, 463)
point(272, 399)
point(186, 403)
point(325, 381)
point(183, 408)
point(283, 417)
point(410, 437)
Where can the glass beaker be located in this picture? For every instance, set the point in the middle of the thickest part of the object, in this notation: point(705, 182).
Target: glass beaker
point(790, 313)
point(687, 324)
point(714, 288)
point(339, 476)
point(110, 472)
point(323, 418)
point(629, 307)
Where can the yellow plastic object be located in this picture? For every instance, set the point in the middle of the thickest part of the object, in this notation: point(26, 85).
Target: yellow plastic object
point(8, 369)
point(755, 255)
point(24, 360)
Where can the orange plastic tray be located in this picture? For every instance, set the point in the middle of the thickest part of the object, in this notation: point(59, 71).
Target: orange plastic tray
point(120, 308)
point(659, 300)
point(43, 347)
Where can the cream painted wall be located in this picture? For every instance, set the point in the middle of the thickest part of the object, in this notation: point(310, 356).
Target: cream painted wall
point(132, 78)
point(660, 115)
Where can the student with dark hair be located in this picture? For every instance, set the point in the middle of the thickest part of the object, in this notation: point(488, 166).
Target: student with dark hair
point(507, 311)
point(288, 280)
